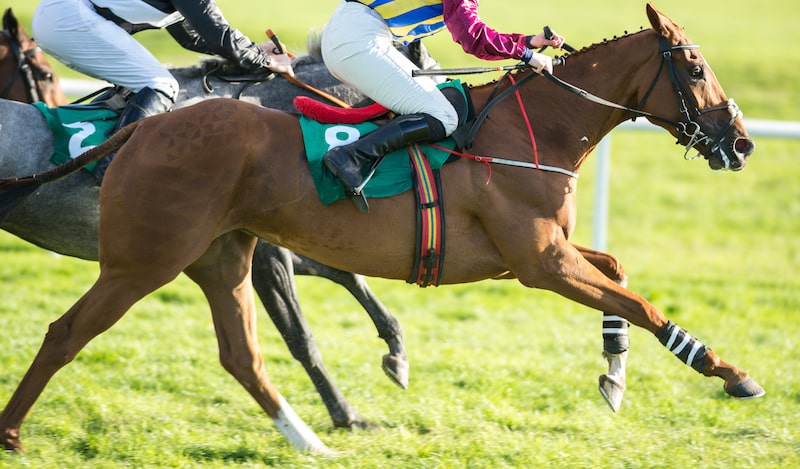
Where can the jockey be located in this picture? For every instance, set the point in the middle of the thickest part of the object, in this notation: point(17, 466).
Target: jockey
point(357, 49)
point(94, 38)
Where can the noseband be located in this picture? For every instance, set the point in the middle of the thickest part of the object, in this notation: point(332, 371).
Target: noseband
point(24, 67)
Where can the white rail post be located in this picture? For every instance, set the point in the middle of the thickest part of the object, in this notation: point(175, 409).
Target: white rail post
point(755, 128)
point(600, 215)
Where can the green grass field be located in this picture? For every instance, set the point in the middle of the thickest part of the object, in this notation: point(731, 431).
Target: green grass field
point(501, 376)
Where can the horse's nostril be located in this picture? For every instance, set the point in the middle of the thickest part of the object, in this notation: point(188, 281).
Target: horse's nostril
point(744, 146)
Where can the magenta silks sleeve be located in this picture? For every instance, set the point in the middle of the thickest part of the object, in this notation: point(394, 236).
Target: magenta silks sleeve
point(467, 29)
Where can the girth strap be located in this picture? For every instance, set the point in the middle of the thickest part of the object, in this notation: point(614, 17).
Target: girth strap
point(429, 252)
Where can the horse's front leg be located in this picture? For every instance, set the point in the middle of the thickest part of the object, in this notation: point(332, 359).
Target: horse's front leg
point(615, 331)
point(273, 279)
point(561, 268)
point(395, 363)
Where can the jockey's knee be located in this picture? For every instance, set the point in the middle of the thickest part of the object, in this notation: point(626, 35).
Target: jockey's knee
point(447, 118)
point(166, 85)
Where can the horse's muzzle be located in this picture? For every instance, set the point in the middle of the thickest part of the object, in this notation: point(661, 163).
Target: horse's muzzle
point(731, 147)
point(731, 157)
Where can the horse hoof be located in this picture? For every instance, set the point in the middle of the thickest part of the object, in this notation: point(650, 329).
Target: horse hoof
point(612, 389)
point(351, 421)
point(746, 389)
point(322, 450)
point(11, 445)
point(396, 368)
point(359, 424)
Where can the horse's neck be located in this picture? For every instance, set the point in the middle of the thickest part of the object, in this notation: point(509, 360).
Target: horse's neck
point(569, 125)
point(614, 70)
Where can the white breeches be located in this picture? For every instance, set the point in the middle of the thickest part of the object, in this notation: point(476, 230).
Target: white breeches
point(358, 49)
point(73, 33)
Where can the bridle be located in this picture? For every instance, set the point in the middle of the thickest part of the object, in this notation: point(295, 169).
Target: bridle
point(25, 68)
point(688, 128)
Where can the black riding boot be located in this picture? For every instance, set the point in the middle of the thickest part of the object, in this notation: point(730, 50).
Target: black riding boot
point(347, 162)
point(147, 102)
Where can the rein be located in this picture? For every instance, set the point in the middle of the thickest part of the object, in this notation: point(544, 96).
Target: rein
point(23, 69)
point(688, 128)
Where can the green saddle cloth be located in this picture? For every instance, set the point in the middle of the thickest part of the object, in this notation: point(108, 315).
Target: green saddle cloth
point(76, 129)
point(393, 176)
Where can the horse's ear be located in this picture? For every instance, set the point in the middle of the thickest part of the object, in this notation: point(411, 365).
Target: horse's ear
point(10, 22)
point(661, 24)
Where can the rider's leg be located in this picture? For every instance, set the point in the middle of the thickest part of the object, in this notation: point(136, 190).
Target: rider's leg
point(346, 162)
point(76, 35)
point(358, 49)
point(147, 102)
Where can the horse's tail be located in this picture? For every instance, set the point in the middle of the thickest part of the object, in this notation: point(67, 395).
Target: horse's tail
point(14, 190)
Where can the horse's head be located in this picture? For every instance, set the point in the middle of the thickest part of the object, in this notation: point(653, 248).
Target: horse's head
point(694, 108)
point(25, 74)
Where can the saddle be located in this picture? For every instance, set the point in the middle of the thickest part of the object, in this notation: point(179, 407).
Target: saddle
point(325, 126)
point(77, 128)
point(231, 73)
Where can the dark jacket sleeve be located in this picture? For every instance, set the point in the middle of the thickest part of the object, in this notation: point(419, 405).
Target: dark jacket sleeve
point(205, 30)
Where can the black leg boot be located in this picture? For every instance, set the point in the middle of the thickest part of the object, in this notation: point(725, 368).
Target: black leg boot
point(147, 102)
point(347, 162)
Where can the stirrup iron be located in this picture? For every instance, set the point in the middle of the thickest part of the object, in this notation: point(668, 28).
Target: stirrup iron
point(357, 196)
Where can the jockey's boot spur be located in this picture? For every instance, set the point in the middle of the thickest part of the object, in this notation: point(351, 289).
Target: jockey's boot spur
point(147, 102)
point(347, 162)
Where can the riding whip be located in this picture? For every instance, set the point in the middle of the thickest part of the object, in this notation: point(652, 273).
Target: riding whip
point(279, 49)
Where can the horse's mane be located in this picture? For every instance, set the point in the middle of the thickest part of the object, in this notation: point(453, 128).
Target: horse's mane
point(577, 53)
point(594, 46)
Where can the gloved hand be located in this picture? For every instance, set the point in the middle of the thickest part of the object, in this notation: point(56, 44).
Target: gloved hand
point(278, 63)
point(539, 40)
point(540, 62)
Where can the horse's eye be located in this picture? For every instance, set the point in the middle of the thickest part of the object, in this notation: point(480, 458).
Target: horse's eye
point(696, 72)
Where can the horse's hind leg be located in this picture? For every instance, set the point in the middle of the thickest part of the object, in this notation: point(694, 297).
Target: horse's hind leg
point(111, 296)
point(223, 273)
point(395, 363)
point(615, 332)
point(273, 280)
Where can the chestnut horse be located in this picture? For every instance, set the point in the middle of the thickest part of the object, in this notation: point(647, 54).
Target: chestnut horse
point(193, 189)
point(31, 78)
point(273, 267)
